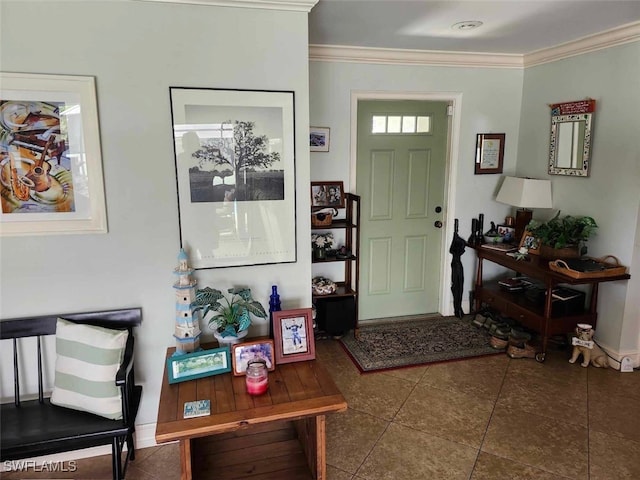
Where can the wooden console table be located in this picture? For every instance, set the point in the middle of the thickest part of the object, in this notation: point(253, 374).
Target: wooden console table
point(538, 318)
point(278, 435)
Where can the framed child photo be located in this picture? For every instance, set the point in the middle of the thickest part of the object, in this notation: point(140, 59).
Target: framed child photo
point(243, 353)
point(530, 242)
point(327, 194)
point(293, 334)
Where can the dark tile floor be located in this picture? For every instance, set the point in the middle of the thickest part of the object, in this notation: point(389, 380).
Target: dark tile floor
point(479, 419)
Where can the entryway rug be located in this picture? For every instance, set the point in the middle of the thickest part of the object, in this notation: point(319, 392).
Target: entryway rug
point(408, 343)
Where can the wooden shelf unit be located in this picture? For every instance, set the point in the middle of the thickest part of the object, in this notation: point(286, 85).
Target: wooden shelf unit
point(538, 318)
point(348, 286)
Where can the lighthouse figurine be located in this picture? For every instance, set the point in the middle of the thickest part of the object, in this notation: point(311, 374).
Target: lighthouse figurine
point(187, 332)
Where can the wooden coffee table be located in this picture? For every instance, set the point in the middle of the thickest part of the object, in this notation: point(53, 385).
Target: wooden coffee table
point(279, 435)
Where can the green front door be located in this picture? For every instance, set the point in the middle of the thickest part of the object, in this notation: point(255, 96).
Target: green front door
point(400, 173)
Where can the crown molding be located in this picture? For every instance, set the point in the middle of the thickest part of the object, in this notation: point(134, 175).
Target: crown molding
point(393, 56)
point(609, 38)
point(292, 5)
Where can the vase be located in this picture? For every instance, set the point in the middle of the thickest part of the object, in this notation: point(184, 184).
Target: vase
point(553, 253)
point(230, 339)
point(320, 253)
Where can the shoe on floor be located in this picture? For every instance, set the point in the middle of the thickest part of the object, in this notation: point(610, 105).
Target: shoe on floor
point(479, 320)
point(498, 343)
point(527, 352)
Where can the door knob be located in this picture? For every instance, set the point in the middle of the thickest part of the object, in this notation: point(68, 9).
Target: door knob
point(437, 224)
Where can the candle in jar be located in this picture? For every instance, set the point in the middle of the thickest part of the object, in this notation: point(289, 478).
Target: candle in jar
point(257, 379)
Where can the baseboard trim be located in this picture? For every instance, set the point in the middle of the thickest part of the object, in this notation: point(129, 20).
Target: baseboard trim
point(145, 437)
point(615, 356)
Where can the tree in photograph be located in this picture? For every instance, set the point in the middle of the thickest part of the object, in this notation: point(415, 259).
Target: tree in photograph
point(244, 152)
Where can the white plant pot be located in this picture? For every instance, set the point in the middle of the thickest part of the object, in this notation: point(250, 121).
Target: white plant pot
point(230, 340)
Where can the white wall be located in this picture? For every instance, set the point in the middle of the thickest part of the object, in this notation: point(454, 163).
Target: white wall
point(136, 50)
point(611, 195)
point(491, 99)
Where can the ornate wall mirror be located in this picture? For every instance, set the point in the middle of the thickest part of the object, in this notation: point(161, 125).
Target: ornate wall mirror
point(570, 143)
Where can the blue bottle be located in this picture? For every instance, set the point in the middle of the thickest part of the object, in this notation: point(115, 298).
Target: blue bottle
point(274, 306)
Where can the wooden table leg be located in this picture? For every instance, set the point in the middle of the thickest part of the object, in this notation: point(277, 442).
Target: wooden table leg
point(312, 437)
point(185, 459)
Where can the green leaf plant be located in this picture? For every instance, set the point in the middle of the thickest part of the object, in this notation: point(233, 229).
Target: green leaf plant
point(567, 231)
point(231, 314)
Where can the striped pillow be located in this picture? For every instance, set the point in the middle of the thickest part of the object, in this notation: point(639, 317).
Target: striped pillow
point(88, 358)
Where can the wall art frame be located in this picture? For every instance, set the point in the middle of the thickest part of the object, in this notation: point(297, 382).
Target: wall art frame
point(200, 364)
point(327, 194)
point(319, 139)
point(293, 335)
point(50, 156)
point(241, 353)
point(235, 171)
point(489, 153)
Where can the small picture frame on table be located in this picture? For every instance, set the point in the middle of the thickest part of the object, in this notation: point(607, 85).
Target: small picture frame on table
point(203, 363)
point(242, 353)
point(530, 242)
point(327, 194)
point(489, 153)
point(293, 333)
point(319, 139)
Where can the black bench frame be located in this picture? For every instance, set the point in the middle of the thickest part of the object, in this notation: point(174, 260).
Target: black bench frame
point(36, 427)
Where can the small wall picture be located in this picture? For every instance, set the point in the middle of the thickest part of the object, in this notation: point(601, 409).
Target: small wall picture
point(327, 194)
point(293, 332)
point(319, 139)
point(244, 352)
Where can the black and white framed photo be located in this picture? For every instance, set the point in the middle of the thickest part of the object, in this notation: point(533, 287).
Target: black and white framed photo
point(235, 169)
point(327, 194)
point(319, 139)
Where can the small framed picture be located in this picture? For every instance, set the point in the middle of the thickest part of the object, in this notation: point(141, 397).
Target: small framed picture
point(327, 194)
point(530, 242)
point(293, 333)
point(204, 363)
point(242, 353)
point(489, 152)
point(319, 139)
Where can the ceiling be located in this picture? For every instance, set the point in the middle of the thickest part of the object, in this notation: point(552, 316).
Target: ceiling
point(509, 26)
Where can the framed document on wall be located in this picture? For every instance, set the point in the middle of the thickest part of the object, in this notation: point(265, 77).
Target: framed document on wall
point(489, 152)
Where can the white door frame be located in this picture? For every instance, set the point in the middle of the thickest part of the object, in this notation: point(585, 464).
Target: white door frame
point(451, 171)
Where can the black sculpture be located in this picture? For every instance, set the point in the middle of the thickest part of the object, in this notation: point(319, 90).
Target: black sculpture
point(457, 272)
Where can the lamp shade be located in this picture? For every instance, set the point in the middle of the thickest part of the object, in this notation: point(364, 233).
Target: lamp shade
point(525, 192)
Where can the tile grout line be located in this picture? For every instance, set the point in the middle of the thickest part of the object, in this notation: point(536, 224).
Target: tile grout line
point(388, 424)
point(504, 377)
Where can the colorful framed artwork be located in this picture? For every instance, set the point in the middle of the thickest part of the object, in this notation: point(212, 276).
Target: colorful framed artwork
point(235, 169)
point(50, 160)
point(293, 334)
point(327, 194)
point(530, 242)
point(203, 363)
point(489, 153)
point(319, 139)
point(242, 353)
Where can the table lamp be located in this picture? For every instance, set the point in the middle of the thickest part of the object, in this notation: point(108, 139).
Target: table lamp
point(525, 193)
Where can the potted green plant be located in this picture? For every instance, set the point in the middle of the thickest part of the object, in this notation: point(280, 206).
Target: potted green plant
point(566, 235)
point(231, 314)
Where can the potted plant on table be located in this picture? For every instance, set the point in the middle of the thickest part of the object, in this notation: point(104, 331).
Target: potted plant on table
point(231, 313)
point(563, 237)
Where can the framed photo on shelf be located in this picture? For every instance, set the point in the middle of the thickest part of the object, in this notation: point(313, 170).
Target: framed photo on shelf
point(293, 334)
point(50, 157)
point(530, 242)
point(204, 363)
point(489, 153)
point(319, 139)
point(243, 352)
point(327, 194)
point(235, 170)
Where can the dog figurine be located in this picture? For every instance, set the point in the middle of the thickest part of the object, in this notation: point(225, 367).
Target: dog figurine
point(594, 355)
